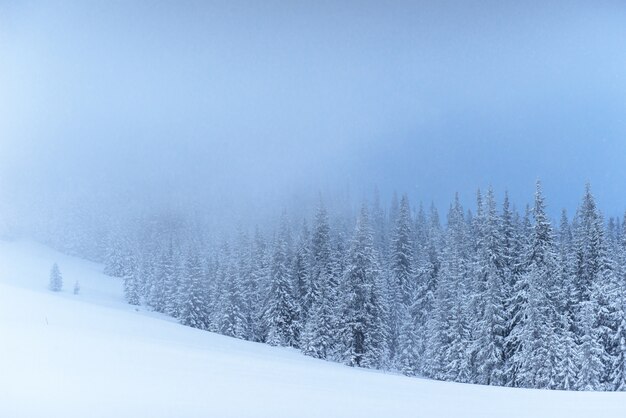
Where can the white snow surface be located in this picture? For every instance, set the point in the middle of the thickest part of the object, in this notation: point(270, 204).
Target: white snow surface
point(92, 355)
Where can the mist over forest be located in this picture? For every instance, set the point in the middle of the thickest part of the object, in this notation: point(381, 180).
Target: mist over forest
point(237, 111)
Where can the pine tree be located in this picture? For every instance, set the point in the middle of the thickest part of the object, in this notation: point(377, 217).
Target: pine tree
point(281, 312)
point(489, 274)
point(232, 318)
point(403, 287)
point(429, 267)
point(362, 327)
point(193, 304)
point(535, 361)
point(597, 291)
point(318, 337)
point(173, 269)
point(300, 273)
point(115, 253)
point(130, 279)
point(56, 279)
point(159, 291)
point(567, 349)
point(511, 265)
point(247, 278)
point(258, 288)
point(448, 325)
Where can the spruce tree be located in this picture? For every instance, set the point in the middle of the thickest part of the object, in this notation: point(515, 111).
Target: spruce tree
point(231, 310)
point(130, 279)
point(56, 279)
point(281, 312)
point(534, 360)
point(193, 304)
point(318, 337)
point(567, 350)
point(403, 287)
point(489, 274)
point(448, 326)
point(597, 290)
point(300, 274)
point(362, 327)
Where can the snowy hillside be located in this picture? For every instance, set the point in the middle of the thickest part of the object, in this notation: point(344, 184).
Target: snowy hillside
point(92, 355)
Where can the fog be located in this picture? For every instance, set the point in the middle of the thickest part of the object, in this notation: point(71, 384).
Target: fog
point(243, 108)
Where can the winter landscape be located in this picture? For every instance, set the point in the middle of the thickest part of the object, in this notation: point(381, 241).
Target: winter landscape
point(312, 209)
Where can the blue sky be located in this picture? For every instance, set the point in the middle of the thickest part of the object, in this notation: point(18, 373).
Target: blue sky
point(268, 100)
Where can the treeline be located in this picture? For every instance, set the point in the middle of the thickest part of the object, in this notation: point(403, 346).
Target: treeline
point(493, 297)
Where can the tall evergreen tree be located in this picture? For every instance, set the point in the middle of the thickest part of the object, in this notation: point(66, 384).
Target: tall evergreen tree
point(535, 324)
point(597, 313)
point(489, 274)
point(362, 327)
point(449, 333)
point(300, 273)
point(567, 349)
point(193, 302)
point(281, 311)
point(403, 286)
point(318, 337)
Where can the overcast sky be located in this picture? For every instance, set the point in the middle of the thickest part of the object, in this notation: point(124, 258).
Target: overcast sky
point(264, 100)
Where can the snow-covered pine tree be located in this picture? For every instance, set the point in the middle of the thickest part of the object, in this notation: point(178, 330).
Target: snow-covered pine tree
point(130, 277)
point(232, 309)
point(193, 304)
point(490, 321)
point(597, 289)
point(428, 268)
point(281, 311)
point(258, 288)
point(511, 261)
point(245, 272)
point(567, 349)
point(448, 326)
point(535, 327)
point(319, 337)
point(211, 289)
point(403, 288)
point(338, 261)
point(115, 252)
point(56, 279)
point(361, 323)
point(174, 268)
point(523, 233)
point(300, 274)
point(163, 270)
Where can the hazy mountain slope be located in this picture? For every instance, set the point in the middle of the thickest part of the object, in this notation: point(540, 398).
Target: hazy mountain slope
point(92, 355)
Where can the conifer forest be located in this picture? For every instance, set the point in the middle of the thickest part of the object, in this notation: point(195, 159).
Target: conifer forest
point(488, 295)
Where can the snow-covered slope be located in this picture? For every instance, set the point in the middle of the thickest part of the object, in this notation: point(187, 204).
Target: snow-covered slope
point(91, 355)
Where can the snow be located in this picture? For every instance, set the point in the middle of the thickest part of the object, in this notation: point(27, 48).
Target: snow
point(92, 355)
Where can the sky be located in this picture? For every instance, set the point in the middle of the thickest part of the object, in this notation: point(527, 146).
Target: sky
point(259, 104)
